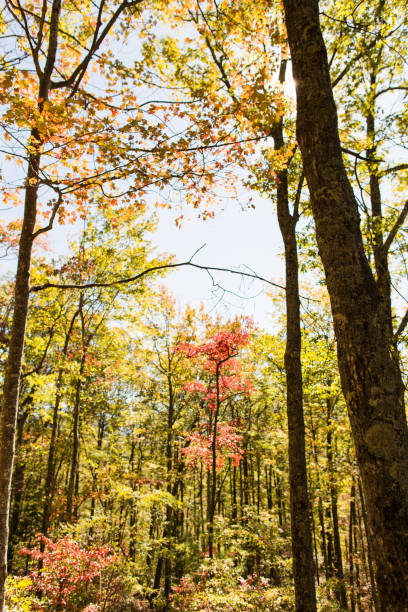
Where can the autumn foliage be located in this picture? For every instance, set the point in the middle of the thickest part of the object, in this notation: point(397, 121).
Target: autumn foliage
point(67, 570)
point(219, 364)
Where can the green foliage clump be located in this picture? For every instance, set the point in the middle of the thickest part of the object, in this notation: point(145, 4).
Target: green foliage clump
point(218, 587)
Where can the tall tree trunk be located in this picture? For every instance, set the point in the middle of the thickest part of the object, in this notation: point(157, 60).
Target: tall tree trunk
point(370, 379)
point(9, 404)
point(13, 367)
point(300, 510)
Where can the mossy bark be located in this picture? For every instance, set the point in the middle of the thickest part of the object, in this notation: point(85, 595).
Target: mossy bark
point(370, 378)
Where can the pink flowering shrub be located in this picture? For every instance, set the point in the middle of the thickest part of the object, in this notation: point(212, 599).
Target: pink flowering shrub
point(67, 573)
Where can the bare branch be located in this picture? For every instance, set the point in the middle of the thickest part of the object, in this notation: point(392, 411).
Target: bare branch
point(48, 227)
point(393, 169)
point(131, 279)
point(401, 327)
point(397, 225)
point(75, 78)
point(391, 88)
point(358, 156)
point(295, 216)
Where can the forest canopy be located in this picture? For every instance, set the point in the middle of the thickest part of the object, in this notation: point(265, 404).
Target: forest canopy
point(157, 454)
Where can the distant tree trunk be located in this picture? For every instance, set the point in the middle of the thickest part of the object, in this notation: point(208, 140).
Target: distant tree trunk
point(169, 509)
point(99, 442)
point(18, 479)
point(76, 415)
point(234, 510)
point(200, 498)
point(300, 510)
point(75, 446)
point(316, 557)
point(157, 579)
point(245, 476)
point(320, 511)
point(268, 485)
point(258, 483)
point(165, 559)
point(49, 478)
point(370, 378)
point(340, 589)
point(241, 491)
point(278, 488)
point(352, 519)
point(213, 479)
point(369, 556)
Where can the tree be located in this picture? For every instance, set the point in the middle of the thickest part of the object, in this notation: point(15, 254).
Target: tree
point(220, 363)
point(370, 378)
point(229, 69)
point(67, 569)
point(45, 96)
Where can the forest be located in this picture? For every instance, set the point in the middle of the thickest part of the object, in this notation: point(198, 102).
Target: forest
point(159, 455)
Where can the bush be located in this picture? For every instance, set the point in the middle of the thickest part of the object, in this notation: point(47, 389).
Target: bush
point(217, 587)
point(69, 576)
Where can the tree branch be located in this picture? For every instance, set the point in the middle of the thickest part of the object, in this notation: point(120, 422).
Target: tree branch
point(295, 216)
point(131, 279)
point(48, 227)
point(392, 169)
point(358, 156)
point(397, 225)
point(75, 78)
point(401, 327)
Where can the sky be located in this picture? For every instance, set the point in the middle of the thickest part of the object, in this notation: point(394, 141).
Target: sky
point(235, 238)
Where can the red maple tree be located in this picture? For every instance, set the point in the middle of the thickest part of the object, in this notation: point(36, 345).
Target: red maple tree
point(222, 369)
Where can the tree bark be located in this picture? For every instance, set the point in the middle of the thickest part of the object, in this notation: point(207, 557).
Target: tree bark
point(370, 378)
point(300, 510)
point(11, 383)
point(14, 360)
point(380, 253)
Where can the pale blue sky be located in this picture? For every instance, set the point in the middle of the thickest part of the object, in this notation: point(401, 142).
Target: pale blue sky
point(233, 238)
